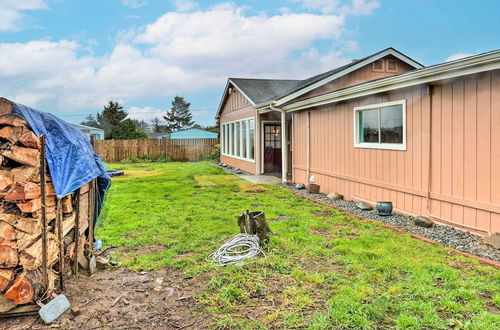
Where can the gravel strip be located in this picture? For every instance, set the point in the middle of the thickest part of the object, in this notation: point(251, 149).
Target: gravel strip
point(446, 235)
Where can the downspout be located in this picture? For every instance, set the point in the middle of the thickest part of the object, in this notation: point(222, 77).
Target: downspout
point(429, 175)
point(284, 146)
point(308, 147)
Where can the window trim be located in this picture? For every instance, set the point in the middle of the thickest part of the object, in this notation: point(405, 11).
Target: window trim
point(372, 145)
point(231, 136)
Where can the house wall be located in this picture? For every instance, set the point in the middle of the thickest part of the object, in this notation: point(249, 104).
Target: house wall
point(465, 162)
point(359, 76)
point(238, 107)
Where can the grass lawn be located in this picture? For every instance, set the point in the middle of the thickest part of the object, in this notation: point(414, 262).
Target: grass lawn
point(323, 269)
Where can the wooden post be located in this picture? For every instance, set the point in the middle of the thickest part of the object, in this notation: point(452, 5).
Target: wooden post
point(44, 211)
point(91, 203)
point(60, 241)
point(254, 223)
point(77, 231)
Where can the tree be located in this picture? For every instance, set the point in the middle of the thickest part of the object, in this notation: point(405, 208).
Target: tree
point(112, 115)
point(156, 125)
point(141, 125)
point(178, 116)
point(91, 121)
point(126, 130)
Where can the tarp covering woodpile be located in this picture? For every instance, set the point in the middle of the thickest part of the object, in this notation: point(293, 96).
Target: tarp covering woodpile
point(33, 261)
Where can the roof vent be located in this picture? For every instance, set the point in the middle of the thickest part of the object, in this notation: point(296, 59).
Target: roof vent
point(354, 60)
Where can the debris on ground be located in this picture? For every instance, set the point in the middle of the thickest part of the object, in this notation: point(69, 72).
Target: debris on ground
point(237, 250)
point(54, 309)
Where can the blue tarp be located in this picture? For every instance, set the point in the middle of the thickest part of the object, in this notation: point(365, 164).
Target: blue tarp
point(70, 156)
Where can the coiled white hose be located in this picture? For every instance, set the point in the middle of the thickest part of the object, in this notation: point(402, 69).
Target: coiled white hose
point(236, 250)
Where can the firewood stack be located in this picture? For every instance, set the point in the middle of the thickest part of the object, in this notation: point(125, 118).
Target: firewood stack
point(32, 264)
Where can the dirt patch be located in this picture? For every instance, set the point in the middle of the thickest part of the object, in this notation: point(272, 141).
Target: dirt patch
point(252, 188)
point(323, 213)
point(138, 174)
point(281, 218)
point(184, 255)
point(139, 307)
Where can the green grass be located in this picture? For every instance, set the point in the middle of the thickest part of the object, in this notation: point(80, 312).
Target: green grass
point(323, 269)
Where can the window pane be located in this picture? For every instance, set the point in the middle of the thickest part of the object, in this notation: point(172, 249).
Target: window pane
point(244, 136)
point(391, 124)
point(237, 139)
point(251, 138)
point(231, 140)
point(222, 139)
point(368, 126)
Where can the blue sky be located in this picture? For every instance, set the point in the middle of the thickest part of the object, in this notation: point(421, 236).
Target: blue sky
point(69, 57)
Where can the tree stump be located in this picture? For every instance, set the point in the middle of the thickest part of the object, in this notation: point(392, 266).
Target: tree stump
point(254, 223)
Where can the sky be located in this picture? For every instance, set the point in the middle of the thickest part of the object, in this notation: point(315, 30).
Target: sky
point(70, 57)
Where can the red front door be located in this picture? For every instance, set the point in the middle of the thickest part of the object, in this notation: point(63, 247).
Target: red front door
point(272, 148)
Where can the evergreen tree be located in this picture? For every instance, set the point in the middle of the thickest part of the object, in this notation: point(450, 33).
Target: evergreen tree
point(91, 121)
point(179, 116)
point(141, 125)
point(112, 115)
point(126, 130)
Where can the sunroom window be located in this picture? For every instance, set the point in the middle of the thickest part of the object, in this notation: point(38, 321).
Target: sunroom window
point(238, 139)
point(381, 126)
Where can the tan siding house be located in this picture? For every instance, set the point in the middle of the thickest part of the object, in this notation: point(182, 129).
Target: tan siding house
point(385, 128)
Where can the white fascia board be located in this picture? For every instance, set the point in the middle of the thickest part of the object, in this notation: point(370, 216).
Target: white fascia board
point(349, 70)
point(219, 110)
point(449, 70)
point(224, 96)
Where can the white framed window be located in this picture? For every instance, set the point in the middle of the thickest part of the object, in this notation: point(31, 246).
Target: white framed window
point(238, 139)
point(381, 126)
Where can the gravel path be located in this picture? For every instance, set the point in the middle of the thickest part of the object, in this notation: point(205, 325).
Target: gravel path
point(450, 236)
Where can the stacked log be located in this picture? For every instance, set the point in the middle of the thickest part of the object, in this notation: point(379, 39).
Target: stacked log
point(33, 260)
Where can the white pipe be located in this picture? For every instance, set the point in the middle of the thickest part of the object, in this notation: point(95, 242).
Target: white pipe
point(308, 148)
point(284, 146)
point(429, 176)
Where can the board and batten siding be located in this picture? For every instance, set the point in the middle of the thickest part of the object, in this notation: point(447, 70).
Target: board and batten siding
point(361, 75)
point(237, 107)
point(465, 155)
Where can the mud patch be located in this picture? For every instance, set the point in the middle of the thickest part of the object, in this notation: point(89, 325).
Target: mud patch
point(323, 213)
point(139, 307)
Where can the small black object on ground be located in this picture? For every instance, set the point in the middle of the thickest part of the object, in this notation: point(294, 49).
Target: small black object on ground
point(113, 173)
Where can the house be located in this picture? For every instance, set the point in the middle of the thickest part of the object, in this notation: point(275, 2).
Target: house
point(158, 136)
point(380, 128)
point(193, 133)
point(90, 132)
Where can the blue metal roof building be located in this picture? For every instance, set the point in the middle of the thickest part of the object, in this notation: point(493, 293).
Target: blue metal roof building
point(193, 133)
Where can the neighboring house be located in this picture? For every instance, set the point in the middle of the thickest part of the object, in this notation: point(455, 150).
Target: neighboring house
point(193, 133)
point(158, 136)
point(90, 132)
point(380, 128)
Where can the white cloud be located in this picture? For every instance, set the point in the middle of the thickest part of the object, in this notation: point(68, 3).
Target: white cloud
point(353, 7)
point(134, 3)
point(458, 56)
point(11, 12)
point(185, 5)
point(147, 113)
point(178, 53)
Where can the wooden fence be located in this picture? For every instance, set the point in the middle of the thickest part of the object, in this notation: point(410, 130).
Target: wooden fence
point(113, 151)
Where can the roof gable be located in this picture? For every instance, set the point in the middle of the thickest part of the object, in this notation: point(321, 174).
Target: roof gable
point(314, 82)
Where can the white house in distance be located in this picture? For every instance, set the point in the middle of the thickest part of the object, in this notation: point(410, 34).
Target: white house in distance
point(90, 132)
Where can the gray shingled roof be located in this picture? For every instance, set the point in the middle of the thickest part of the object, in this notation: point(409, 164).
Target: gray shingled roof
point(263, 90)
point(266, 90)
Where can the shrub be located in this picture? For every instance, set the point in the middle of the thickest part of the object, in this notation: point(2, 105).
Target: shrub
point(146, 159)
point(130, 160)
point(214, 155)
